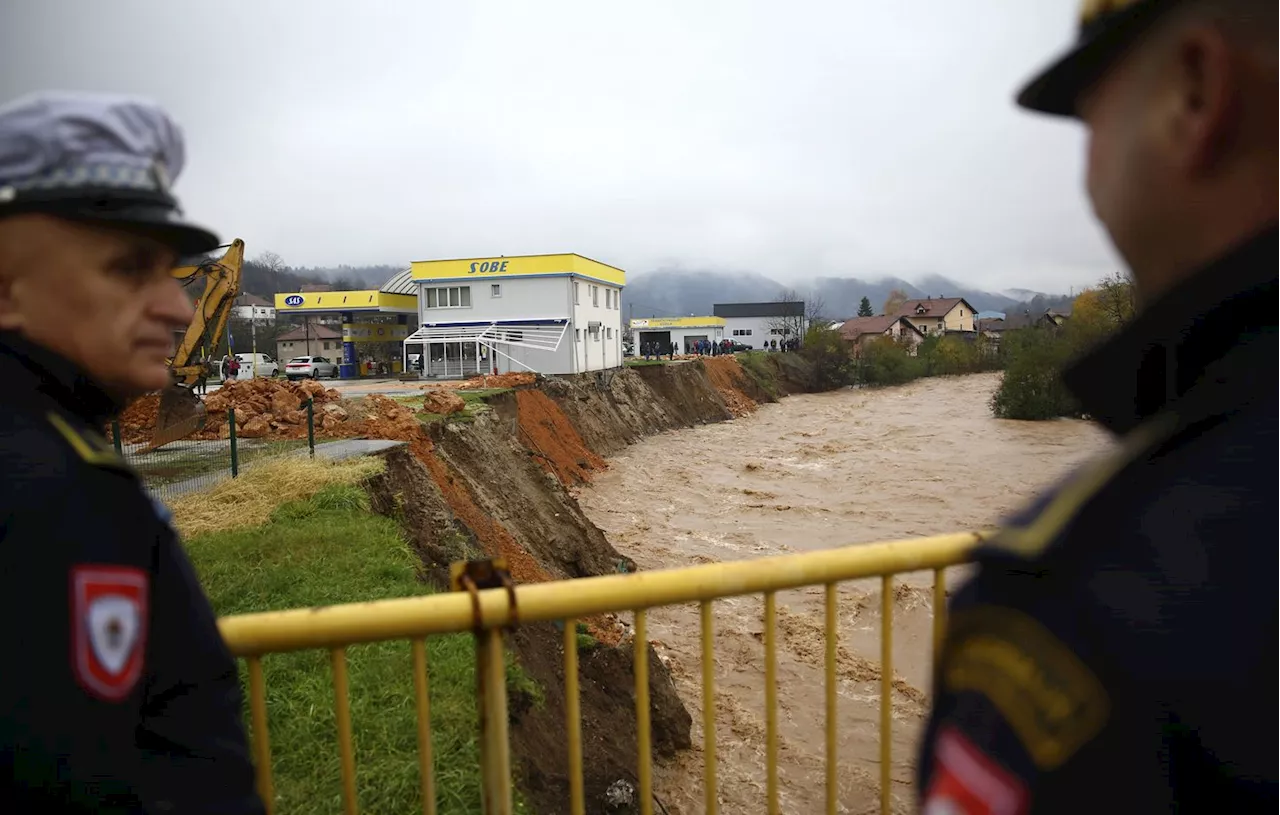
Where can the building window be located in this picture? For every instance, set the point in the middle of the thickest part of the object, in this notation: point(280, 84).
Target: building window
point(495, 290)
point(449, 297)
point(576, 288)
point(577, 332)
point(595, 298)
point(609, 334)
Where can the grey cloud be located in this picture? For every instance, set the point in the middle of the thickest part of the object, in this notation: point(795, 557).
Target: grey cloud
point(797, 140)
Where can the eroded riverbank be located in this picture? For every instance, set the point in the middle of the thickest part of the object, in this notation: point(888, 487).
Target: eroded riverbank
point(815, 471)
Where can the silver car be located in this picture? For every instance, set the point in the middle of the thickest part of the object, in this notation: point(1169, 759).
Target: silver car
point(310, 368)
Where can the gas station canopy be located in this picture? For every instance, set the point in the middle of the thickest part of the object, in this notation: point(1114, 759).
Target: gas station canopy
point(371, 300)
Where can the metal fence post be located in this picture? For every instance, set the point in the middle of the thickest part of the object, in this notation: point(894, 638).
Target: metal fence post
point(491, 680)
point(115, 437)
point(235, 461)
point(311, 426)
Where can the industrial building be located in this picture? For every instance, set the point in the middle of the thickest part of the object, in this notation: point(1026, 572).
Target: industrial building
point(755, 324)
point(683, 331)
point(551, 314)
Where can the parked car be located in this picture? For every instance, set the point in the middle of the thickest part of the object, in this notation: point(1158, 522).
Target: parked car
point(310, 367)
point(252, 365)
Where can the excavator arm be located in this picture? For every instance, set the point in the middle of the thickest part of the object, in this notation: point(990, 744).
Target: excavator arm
point(181, 412)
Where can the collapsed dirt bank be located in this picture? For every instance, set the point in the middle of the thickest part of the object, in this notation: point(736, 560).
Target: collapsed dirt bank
point(502, 485)
point(817, 471)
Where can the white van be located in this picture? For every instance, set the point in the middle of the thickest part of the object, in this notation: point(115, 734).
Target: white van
point(257, 364)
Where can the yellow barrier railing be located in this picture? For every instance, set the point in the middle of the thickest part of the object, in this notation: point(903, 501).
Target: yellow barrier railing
point(487, 612)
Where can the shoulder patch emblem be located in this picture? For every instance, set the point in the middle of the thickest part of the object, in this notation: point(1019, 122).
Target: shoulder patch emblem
point(109, 628)
point(90, 446)
point(1049, 697)
point(966, 781)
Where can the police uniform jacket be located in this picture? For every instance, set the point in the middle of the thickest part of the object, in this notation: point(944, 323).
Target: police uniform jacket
point(1116, 651)
point(117, 693)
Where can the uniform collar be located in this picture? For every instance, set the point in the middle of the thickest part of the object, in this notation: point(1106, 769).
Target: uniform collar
point(31, 368)
point(1165, 351)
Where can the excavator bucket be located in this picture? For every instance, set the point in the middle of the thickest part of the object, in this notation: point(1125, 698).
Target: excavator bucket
point(181, 413)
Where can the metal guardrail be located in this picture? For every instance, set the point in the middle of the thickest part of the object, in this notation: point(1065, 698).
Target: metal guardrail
point(486, 612)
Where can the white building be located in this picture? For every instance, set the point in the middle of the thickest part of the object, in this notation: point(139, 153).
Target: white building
point(252, 307)
point(551, 314)
point(683, 331)
point(755, 324)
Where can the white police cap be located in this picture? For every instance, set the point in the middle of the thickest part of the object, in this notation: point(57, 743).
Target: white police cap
point(96, 157)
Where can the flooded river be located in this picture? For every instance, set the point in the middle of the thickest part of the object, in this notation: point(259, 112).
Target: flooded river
point(816, 471)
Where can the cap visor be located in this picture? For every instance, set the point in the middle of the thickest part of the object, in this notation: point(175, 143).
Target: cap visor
point(1055, 88)
point(186, 239)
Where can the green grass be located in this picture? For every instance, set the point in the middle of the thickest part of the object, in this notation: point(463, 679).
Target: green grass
point(482, 394)
point(332, 549)
point(759, 367)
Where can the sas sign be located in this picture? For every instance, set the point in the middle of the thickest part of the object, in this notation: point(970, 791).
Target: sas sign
point(488, 267)
point(294, 300)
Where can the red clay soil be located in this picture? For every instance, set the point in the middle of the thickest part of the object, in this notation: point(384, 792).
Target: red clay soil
point(388, 419)
point(729, 380)
point(493, 536)
point(269, 407)
point(546, 431)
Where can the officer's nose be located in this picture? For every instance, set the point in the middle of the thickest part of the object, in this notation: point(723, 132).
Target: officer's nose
point(169, 303)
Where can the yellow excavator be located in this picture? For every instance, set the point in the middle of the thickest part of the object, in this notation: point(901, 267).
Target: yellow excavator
point(181, 412)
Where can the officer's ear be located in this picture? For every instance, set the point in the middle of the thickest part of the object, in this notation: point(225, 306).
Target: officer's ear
point(1203, 98)
point(11, 260)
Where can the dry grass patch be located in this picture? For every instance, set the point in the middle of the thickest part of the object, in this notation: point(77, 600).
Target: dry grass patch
point(249, 500)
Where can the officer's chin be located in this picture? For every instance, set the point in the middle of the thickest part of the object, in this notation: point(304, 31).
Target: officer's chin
point(139, 379)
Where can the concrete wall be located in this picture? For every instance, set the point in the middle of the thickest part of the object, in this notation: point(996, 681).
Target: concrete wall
point(595, 302)
point(529, 298)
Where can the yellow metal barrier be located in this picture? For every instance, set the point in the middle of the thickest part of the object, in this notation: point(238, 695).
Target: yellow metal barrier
point(488, 611)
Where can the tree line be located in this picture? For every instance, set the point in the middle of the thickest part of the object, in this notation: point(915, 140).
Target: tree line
point(1032, 358)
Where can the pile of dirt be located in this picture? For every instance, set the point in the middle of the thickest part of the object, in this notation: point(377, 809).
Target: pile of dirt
point(512, 380)
point(731, 381)
point(264, 407)
point(138, 420)
point(442, 402)
point(485, 381)
point(549, 434)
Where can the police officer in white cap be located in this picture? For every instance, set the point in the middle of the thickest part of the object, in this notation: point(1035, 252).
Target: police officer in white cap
point(1116, 651)
point(117, 693)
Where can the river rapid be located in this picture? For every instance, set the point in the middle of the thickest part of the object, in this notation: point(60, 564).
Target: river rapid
point(811, 472)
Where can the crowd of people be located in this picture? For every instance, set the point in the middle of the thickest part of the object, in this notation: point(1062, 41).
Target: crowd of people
point(707, 348)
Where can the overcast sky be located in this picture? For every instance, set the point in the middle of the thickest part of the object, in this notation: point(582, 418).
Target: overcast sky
point(794, 139)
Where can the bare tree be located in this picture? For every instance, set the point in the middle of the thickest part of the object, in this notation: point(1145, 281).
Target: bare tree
point(271, 262)
point(815, 309)
point(895, 301)
point(791, 323)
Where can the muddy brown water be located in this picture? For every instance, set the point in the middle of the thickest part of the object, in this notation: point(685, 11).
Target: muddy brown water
point(817, 471)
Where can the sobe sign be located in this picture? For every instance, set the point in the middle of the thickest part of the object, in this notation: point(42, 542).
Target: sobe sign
point(294, 300)
point(488, 267)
